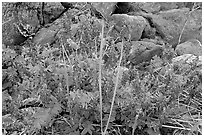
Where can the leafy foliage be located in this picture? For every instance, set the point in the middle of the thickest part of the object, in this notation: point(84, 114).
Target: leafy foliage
point(58, 87)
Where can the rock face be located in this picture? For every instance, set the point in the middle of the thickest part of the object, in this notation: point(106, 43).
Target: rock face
point(189, 47)
point(67, 5)
point(45, 36)
point(11, 35)
point(154, 7)
point(27, 21)
point(130, 27)
point(143, 52)
point(16, 30)
point(169, 25)
point(51, 11)
point(105, 8)
point(123, 8)
point(50, 34)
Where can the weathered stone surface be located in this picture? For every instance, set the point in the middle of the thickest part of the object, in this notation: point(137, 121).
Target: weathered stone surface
point(155, 7)
point(143, 51)
point(189, 47)
point(26, 14)
point(51, 11)
point(17, 28)
point(123, 8)
point(49, 35)
point(151, 7)
point(67, 5)
point(29, 19)
point(169, 25)
point(130, 27)
point(45, 36)
point(29, 22)
point(105, 8)
point(11, 35)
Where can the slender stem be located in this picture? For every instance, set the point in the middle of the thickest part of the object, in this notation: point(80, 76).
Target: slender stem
point(176, 127)
point(115, 89)
point(135, 124)
point(100, 77)
point(188, 16)
point(65, 66)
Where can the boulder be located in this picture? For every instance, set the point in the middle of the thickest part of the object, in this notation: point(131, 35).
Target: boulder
point(11, 36)
point(155, 7)
point(29, 18)
point(26, 22)
point(67, 5)
point(143, 52)
point(173, 23)
point(104, 8)
point(123, 8)
point(23, 23)
point(45, 36)
point(192, 46)
point(52, 10)
point(50, 34)
point(130, 27)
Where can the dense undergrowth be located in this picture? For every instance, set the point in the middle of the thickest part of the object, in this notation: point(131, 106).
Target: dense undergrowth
point(55, 89)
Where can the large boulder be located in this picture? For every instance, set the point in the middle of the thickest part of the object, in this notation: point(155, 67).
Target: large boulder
point(45, 36)
point(130, 27)
point(23, 22)
point(104, 8)
point(26, 20)
point(155, 7)
point(11, 35)
point(192, 46)
point(178, 25)
point(67, 5)
point(143, 52)
point(48, 35)
point(123, 8)
point(51, 11)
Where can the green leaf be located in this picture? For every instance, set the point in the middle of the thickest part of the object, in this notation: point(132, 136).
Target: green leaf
point(112, 118)
point(46, 53)
point(87, 128)
point(42, 118)
point(150, 131)
point(72, 44)
point(44, 115)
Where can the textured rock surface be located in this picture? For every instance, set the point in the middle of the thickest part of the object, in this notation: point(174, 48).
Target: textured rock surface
point(11, 35)
point(130, 27)
point(45, 36)
point(49, 35)
point(189, 47)
point(28, 20)
point(15, 29)
point(155, 7)
point(105, 8)
point(123, 8)
point(67, 5)
point(51, 11)
point(143, 51)
point(169, 25)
